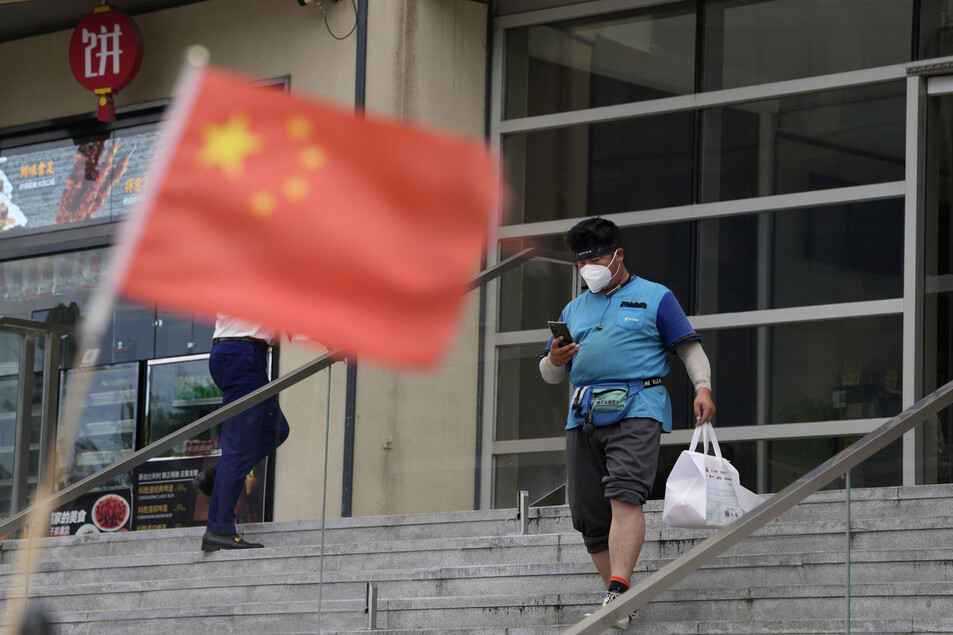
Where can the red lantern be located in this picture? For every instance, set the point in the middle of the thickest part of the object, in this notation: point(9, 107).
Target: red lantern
point(105, 53)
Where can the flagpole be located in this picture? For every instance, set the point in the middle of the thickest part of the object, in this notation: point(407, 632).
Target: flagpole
point(90, 337)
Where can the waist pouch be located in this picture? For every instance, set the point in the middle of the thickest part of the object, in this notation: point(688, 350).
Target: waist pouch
point(603, 403)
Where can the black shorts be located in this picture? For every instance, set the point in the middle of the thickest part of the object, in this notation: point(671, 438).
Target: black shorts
point(617, 462)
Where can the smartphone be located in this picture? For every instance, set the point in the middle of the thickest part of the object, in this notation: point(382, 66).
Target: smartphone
point(560, 328)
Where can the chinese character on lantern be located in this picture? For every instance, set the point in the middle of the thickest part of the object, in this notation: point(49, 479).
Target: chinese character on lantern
point(105, 53)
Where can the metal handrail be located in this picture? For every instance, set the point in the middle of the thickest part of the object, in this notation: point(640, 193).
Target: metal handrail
point(689, 562)
point(211, 420)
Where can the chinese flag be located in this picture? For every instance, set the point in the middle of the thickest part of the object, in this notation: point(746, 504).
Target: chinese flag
point(305, 218)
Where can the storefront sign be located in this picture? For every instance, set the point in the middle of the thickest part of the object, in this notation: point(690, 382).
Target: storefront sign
point(62, 182)
point(165, 498)
point(94, 513)
point(105, 53)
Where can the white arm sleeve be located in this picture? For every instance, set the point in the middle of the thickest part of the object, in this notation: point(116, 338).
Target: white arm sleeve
point(696, 364)
point(552, 374)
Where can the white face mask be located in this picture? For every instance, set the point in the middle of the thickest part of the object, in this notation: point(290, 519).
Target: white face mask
point(598, 276)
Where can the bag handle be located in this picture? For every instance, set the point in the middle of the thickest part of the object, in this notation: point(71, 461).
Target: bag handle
point(704, 431)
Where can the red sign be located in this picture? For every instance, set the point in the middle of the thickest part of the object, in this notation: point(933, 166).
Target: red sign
point(105, 53)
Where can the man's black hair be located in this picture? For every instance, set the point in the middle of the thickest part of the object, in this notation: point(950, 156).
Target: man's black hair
point(593, 237)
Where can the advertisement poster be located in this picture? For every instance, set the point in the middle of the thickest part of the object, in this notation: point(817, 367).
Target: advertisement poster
point(94, 513)
point(165, 498)
point(65, 182)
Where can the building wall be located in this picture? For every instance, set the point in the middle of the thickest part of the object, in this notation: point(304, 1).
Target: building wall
point(415, 432)
point(267, 39)
point(426, 61)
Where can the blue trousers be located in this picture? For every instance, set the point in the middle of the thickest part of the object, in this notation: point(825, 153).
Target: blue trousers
point(239, 368)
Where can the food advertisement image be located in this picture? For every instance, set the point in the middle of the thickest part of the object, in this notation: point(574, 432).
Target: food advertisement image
point(56, 183)
point(94, 513)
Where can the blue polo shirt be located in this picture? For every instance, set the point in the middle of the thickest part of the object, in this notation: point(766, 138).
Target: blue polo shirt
point(642, 324)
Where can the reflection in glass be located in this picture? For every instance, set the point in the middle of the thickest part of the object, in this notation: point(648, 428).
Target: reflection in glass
point(821, 255)
point(936, 28)
point(180, 333)
point(526, 406)
point(803, 143)
point(537, 290)
point(180, 393)
point(9, 391)
point(603, 168)
point(748, 43)
point(539, 473)
point(662, 254)
point(808, 371)
point(107, 429)
point(58, 288)
point(937, 434)
point(600, 61)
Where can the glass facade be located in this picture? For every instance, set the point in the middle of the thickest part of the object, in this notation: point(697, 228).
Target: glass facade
point(776, 205)
point(84, 185)
point(937, 444)
point(600, 61)
point(803, 143)
point(850, 252)
point(750, 43)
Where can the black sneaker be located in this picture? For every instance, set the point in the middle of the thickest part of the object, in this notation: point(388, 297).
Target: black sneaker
point(214, 542)
point(204, 482)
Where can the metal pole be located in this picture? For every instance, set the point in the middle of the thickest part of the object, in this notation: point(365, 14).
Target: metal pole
point(523, 511)
point(21, 443)
point(370, 607)
point(51, 376)
point(324, 496)
point(847, 552)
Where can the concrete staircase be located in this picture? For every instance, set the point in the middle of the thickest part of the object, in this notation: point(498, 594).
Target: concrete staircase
point(471, 573)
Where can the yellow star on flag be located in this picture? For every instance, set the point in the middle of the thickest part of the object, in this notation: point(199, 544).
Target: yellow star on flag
point(228, 145)
point(263, 203)
point(299, 127)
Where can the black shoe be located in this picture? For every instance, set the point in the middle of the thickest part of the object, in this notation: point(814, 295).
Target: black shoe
point(204, 482)
point(214, 542)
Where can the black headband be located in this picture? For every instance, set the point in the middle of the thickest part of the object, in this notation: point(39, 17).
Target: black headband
point(595, 251)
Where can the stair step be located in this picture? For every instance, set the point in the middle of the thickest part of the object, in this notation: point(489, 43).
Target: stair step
point(470, 573)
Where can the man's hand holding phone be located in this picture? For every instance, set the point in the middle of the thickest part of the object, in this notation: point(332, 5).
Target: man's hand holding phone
point(563, 348)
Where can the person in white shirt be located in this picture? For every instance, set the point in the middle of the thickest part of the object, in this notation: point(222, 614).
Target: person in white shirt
point(238, 364)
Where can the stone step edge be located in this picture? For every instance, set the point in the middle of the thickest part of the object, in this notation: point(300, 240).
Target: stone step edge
point(547, 601)
point(805, 529)
point(702, 627)
point(502, 516)
point(55, 561)
point(399, 576)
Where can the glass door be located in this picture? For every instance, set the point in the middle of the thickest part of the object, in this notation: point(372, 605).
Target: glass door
point(107, 429)
point(936, 446)
point(179, 391)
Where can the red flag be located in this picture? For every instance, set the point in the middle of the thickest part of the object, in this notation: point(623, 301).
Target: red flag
point(359, 232)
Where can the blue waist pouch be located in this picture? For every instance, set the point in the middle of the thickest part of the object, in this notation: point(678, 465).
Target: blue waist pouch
point(603, 403)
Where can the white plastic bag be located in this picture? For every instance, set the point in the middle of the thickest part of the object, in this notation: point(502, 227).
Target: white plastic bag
point(704, 490)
